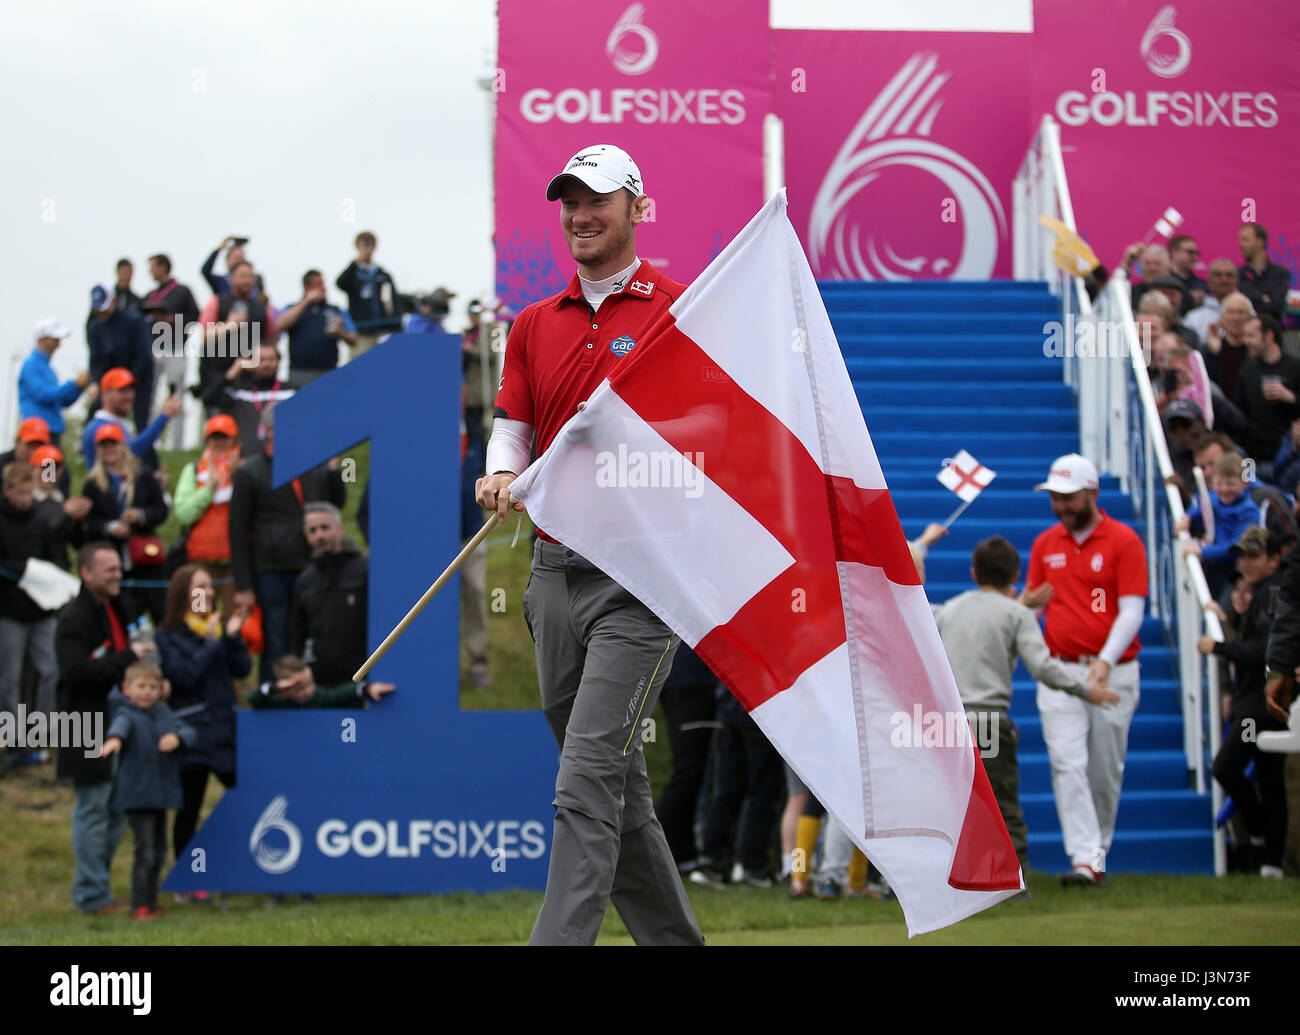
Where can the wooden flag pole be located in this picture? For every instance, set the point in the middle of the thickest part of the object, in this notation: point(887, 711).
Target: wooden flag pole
point(429, 594)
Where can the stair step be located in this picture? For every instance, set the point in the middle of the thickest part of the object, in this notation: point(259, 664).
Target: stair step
point(993, 394)
point(1138, 810)
point(924, 324)
point(959, 370)
point(1190, 850)
point(980, 443)
point(954, 419)
point(1144, 770)
point(1145, 733)
point(1019, 344)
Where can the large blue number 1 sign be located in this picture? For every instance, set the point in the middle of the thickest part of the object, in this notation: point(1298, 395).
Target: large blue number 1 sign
point(412, 794)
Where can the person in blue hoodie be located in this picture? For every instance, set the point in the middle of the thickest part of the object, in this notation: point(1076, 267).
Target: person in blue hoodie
point(146, 735)
point(1234, 512)
point(40, 392)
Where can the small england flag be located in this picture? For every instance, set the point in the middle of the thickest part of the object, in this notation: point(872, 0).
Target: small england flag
point(966, 476)
point(1169, 222)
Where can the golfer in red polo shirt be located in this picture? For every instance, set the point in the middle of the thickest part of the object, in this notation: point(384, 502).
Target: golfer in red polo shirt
point(602, 655)
point(1091, 571)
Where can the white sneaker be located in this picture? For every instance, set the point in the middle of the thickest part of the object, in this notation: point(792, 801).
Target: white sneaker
point(1271, 872)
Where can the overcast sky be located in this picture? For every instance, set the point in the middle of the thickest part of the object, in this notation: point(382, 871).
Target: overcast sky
point(138, 127)
point(135, 128)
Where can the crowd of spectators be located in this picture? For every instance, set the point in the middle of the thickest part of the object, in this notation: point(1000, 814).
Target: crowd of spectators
point(271, 571)
point(1229, 398)
point(255, 571)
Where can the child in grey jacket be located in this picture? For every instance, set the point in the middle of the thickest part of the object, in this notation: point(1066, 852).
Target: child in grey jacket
point(145, 734)
point(983, 631)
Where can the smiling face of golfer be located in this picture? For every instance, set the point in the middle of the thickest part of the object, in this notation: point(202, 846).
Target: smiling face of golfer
point(600, 228)
point(1077, 511)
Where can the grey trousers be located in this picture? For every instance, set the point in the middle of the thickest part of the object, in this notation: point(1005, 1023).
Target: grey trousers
point(602, 658)
point(21, 640)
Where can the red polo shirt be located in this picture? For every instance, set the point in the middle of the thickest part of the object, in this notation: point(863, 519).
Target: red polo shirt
point(559, 351)
point(1111, 560)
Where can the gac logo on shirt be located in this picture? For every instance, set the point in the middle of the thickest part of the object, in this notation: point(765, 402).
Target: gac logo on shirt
point(1055, 560)
point(621, 345)
point(1096, 562)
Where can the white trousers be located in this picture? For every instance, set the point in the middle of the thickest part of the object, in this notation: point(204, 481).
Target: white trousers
point(1086, 745)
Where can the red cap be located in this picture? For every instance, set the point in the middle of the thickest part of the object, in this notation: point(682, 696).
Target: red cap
point(43, 453)
point(33, 429)
point(118, 377)
point(110, 431)
point(221, 424)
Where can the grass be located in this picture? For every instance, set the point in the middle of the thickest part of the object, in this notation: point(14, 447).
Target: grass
point(36, 867)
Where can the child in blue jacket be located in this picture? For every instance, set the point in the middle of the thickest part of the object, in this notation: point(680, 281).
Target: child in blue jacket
point(1234, 512)
point(146, 734)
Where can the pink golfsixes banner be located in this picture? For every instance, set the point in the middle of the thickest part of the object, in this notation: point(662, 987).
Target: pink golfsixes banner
point(1189, 106)
point(901, 148)
point(681, 86)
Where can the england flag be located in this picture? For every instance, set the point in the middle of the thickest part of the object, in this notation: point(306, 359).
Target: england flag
point(966, 476)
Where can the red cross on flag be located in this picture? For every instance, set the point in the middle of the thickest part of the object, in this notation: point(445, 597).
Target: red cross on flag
point(755, 521)
point(966, 476)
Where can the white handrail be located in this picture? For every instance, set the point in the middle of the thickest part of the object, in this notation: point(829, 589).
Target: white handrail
point(1121, 432)
point(1040, 188)
point(1131, 438)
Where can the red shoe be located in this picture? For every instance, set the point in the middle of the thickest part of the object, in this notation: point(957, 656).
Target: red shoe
point(1083, 876)
point(145, 913)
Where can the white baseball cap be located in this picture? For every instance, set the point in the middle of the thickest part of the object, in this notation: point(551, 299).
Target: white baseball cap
point(1070, 473)
point(50, 328)
point(602, 167)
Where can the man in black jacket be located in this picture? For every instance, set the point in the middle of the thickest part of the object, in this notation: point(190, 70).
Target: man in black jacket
point(1265, 812)
point(267, 546)
point(234, 325)
point(168, 304)
point(1283, 657)
point(1261, 280)
point(119, 336)
point(93, 651)
point(329, 599)
point(246, 394)
point(373, 302)
point(1268, 391)
point(26, 630)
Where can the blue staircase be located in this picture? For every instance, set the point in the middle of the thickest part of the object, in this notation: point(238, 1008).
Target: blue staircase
point(942, 366)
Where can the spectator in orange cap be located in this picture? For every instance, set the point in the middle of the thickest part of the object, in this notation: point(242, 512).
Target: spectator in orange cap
point(65, 517)
point(126, 507)
point(117, 400)
point(202, 505)
point(32, 433)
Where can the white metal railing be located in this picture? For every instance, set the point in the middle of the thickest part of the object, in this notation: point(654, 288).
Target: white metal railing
point(1040, 189)
point(1121, 432)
